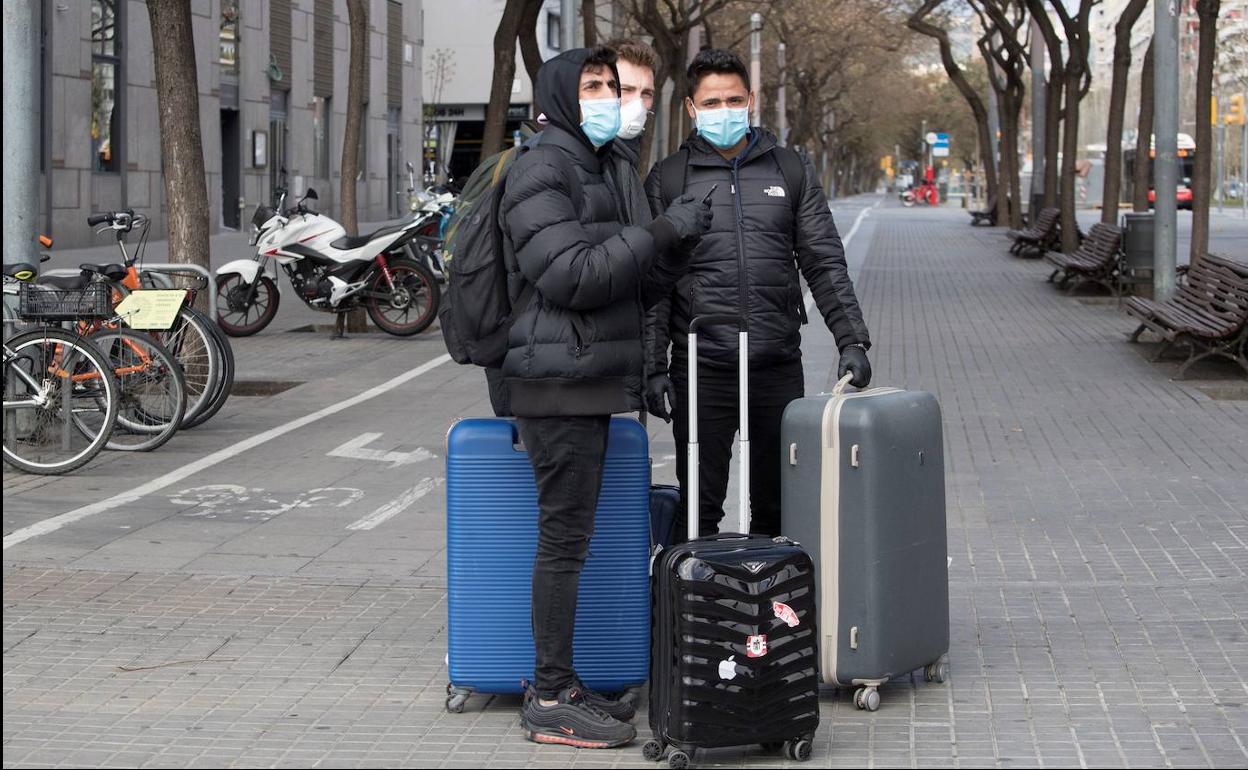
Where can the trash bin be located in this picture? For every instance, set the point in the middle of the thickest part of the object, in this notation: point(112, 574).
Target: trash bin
point(1137, 245)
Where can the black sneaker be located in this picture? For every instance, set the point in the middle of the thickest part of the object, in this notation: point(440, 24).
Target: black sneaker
point(623, 708)
point(573, 721)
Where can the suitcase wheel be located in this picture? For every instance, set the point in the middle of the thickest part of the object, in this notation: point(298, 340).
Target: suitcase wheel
point(799, 749)
point(456, 698)
point(936, 672)
point(867, 698)
point(678, 760)
point(652, 750)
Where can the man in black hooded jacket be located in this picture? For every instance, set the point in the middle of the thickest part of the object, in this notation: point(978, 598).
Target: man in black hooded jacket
point(575, 356)
point(771, 220)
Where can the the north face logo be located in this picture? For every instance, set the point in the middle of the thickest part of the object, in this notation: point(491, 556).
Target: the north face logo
point(775, 191)
point(754, 566)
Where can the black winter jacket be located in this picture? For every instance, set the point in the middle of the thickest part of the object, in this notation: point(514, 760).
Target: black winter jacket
point(576, 348)
point(748, 258)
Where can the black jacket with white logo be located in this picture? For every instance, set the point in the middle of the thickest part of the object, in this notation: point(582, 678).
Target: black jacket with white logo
point(759, 239)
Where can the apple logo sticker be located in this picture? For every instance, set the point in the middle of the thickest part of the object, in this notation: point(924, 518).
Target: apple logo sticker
point(728, 669)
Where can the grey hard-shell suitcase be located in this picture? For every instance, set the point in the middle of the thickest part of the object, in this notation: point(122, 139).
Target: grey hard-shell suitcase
point(863, 490)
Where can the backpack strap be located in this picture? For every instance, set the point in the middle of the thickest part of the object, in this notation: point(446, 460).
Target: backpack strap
point(793, 169)
point(673, 173)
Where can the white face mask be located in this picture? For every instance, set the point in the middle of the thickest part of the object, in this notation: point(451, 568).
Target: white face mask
point(632, 119)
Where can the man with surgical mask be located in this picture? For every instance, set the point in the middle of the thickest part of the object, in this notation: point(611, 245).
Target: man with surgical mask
point(771, 222)
point(575, 356)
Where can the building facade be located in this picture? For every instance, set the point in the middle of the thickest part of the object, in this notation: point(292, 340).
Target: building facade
point(272, 94)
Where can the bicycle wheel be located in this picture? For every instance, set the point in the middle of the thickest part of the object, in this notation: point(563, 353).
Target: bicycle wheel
point(191, 342)
point(151, 390)
point(225, 383)
point(60, 401)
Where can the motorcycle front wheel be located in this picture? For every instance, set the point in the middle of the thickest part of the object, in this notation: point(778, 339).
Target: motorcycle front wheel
point(411, 305)
point(241, 316)
point(908, 201)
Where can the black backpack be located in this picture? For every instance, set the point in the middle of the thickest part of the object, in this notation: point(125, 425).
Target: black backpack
point(477, 312)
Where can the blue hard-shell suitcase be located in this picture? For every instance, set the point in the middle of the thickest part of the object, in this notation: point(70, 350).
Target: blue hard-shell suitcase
point(491, 534)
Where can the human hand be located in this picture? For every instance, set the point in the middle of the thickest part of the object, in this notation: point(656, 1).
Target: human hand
point(657, 388)
point(854, 361)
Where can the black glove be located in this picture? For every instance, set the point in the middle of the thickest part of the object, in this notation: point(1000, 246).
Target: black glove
point(854, 360)
point(689, 217)
point(659, 386)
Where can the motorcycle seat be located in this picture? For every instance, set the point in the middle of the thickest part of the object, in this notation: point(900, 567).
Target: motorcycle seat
point(348, 242)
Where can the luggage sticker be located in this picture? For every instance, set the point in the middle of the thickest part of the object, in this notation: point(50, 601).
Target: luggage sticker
point(785, 613)
point(728, 668)
point(756, 646)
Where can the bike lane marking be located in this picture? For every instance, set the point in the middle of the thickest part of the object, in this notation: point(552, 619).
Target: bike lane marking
point(396, 506)
point(155, 485)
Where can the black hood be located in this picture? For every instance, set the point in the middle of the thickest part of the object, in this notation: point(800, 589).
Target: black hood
point(558, 88)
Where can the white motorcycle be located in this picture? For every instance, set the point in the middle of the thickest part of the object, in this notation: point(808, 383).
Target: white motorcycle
point(329, 270)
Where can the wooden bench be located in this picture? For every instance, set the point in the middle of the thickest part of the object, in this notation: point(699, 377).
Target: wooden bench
point(1098, 259)
point(987, 215)
point(1208, 313)
point(1034, 241)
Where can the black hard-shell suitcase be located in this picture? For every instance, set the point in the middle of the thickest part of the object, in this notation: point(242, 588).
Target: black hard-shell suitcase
point(735, 659)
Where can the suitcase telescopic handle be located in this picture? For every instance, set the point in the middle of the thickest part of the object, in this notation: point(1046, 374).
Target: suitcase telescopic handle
point(741, 321)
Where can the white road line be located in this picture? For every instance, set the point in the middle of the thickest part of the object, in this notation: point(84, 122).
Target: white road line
point(355, 450)
point(810, 300)
point(220, 456)
point(395, 506)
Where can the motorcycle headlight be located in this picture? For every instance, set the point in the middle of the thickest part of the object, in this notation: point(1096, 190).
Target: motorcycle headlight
point(414, 205)
point(255, 236)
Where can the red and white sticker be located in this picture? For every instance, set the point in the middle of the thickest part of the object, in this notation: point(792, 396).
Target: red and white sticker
point(756, 646)
point(785, 613)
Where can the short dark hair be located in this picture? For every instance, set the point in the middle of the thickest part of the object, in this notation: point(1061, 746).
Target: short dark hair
point(715, 61)
point(603, 56)
point(636, 53)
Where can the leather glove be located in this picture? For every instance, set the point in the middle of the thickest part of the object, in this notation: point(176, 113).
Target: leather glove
point(689, 218)
point(658, 387)
point(854, 361)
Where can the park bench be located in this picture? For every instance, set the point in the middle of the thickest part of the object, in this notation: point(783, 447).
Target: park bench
point(1208, 313)
point(1033, 241)
point(987, 215)
point(1098, 259)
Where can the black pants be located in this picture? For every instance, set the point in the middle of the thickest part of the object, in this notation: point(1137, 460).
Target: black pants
point(567, 454)
point(771, 390)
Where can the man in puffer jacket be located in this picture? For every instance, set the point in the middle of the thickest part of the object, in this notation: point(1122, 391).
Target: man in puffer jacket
point(575, 356)
point(771, 220)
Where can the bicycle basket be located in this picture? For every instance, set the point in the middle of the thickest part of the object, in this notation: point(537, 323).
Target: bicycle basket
point(46, 303)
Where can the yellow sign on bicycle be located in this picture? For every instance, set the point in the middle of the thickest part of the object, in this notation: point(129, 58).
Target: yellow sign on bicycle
point(151, 308)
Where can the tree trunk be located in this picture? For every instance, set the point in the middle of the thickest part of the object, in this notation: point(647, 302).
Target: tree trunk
point(589, 12)
point(1140, 178)
point(1202, 175)
point(357, 73)
point(1070, 153)
point(1011, 104)
point(530, 51)
point(958, 78)
point(504, 74)
point(1052, 133)
point(1112, 190)
point(181, 147)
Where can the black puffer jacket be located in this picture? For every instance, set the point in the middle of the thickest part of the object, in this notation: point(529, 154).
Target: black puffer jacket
point(754, 228)
point(576, 348)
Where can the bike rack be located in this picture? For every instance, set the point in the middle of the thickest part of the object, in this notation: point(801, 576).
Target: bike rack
point(164, 267)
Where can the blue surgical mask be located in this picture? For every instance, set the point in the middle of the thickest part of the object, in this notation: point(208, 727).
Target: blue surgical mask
point(600, 120)
point(723, 127)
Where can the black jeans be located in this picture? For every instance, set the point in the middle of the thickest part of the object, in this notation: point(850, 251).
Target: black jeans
point(771, 390)
point(567, 454)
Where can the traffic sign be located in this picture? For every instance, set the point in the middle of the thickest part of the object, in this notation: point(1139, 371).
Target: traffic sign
point(940, 148)
point(931, 137)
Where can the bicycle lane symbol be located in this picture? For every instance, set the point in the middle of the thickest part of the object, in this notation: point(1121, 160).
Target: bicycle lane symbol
point(232, 502)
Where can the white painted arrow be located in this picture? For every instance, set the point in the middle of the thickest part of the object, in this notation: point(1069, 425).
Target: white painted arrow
point(355, 449)
point(396, 506)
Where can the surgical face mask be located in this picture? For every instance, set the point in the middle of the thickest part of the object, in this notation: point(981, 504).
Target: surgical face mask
point(632, 119)
point(723, 127)
point(600, 120)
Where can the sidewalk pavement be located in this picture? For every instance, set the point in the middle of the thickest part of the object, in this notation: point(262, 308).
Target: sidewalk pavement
point(1098, 529)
